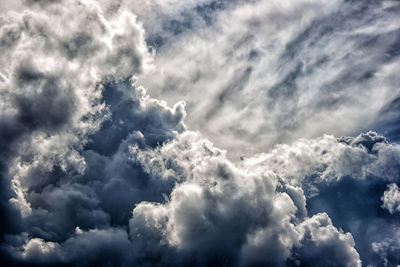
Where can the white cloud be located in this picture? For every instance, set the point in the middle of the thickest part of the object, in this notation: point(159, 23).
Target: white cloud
point(55, 57)
point(241, 207)
point(391, 199)
point(99, 171)
point(328, 244)
point(267, 72)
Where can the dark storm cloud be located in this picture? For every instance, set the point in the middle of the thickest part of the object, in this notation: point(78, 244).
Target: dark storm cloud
point(51, 102)
point(100, 247)
point(95, 172)
point(132, 112)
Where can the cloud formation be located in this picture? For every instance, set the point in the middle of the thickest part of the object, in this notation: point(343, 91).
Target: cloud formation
point(277, 71)
point(391, 198)
point(96, 172)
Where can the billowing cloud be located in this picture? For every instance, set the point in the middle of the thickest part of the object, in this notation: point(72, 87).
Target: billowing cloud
point(224, 214)
point(388, 249)
point(391, 198)
point(324, 245)
point(95, 171)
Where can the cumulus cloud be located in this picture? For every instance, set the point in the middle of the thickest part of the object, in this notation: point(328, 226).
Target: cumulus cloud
point(96, 172)
point(95, 247)
point(53, 59)
point(305, 177)
point(326, 159)
point(65, 69)
point(324, 245)
point(391, 198)
point(209, 216)
point(388, 249)
point(227, 214)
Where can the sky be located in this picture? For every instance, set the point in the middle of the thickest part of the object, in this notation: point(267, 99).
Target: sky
point(199, 133)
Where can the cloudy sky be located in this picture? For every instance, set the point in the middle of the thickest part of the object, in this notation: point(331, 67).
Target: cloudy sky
point(199, 133)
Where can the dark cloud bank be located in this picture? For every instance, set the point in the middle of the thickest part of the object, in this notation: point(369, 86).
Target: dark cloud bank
point(95, 172)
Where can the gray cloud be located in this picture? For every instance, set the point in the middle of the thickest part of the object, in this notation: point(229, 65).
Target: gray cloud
point(96, 172)
point(280, 71)
point(388, 249)
point(391, 198)
point(307, 166)
point(324, 245)
point(229, 215)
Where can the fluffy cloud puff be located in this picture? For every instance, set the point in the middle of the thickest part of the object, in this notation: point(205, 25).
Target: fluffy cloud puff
point(305, 166)
point(60, 69)
point(231, 215)
point(54, 60)
point(214, 212)
point(391, 198)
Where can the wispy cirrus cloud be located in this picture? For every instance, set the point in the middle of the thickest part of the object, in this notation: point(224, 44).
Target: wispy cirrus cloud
point(265, 72)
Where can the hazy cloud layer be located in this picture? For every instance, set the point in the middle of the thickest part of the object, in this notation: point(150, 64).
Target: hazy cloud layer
point(276, 71)
point(96, 172)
